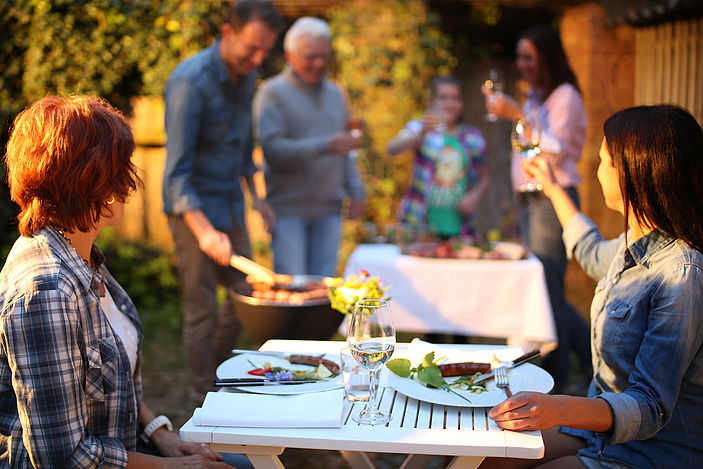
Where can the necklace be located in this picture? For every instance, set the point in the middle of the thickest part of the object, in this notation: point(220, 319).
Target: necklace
point(90, 263)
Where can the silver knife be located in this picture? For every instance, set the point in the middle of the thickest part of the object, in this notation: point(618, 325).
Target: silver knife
point(276, 354)
point(262, 352)
point(515, 363)
point(259, 382)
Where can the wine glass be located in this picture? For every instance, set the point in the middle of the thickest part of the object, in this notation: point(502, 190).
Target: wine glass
point(371, 339)
point(439, 117)
point(355, 127)
point(494, 85)
point(525, 138)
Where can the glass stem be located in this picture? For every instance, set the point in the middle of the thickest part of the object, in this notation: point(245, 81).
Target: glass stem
point(372, 392)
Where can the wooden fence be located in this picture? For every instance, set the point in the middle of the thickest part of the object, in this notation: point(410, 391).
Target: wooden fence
point(669, 65)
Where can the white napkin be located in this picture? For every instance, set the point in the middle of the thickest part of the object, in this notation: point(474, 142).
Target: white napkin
point(310, 410)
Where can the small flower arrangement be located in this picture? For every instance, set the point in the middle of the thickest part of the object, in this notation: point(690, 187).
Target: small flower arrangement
point(344, 293)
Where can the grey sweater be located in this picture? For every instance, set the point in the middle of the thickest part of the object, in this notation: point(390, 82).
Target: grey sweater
point(295, 122)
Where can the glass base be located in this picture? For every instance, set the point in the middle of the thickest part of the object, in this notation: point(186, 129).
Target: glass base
point(372, 417)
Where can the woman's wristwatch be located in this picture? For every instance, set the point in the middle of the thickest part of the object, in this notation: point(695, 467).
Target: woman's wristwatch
point(154, 425)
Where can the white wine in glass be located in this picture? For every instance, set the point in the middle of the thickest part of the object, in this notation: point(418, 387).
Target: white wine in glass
point(525, 138)
point(371, 339)
point(355, 127)
point(494, 85)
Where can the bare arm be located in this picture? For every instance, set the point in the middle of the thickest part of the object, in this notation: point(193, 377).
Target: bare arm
point(403, 141)
point(469, 201)
point(537, 411)
point(169, 445)
point(540, 169)
point(409, 138)
point(502, 105)
point(212, 242)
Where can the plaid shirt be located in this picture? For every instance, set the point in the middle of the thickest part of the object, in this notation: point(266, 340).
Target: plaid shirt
point(413, 207)
point(67, 394)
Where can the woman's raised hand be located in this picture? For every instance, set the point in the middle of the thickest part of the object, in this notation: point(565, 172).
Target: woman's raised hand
point(431, 120)
point(501, 104)
point(539, 168)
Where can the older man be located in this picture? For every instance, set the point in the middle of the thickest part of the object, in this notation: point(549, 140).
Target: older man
point(208, 156)
point(302, 123)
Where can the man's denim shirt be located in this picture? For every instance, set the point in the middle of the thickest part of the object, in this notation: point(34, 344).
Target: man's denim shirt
point(646, 335)
point(209, 146)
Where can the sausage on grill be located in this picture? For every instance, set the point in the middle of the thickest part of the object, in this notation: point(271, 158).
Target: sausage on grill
point(464, 368)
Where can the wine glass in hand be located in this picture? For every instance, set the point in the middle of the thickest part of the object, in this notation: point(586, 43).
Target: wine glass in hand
point(355, 127)
point(525, 138)
point(371, 339)
point(493, 85)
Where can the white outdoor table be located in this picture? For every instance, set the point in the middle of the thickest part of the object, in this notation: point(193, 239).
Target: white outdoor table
point(475, 297)
point(419, 429)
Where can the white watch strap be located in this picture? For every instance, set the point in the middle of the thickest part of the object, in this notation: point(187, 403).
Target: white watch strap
point(155, 424)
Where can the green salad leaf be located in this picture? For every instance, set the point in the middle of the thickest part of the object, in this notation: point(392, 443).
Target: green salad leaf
point(399, 366)
point(430, 375)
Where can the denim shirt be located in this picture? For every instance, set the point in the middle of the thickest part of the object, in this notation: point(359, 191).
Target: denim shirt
point(646, 339)
point(209, 146)
point(68, 397)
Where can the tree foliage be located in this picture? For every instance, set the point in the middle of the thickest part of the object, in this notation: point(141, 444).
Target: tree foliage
point(387, 53)
point(111, 48)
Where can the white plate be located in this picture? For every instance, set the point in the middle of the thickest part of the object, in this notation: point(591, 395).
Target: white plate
point(237, 367)
point(527, 377)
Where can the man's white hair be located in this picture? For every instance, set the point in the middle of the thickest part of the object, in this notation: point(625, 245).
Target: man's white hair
point(305, 26)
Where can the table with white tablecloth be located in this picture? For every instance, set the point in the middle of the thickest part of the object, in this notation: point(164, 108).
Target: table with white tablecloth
point(475, 297)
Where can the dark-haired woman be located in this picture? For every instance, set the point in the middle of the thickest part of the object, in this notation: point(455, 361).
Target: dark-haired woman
point(449, 177)
point(555, 102)
point(644, 406)
point(70, 337)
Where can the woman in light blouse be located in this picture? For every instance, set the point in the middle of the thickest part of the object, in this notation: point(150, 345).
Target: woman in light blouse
point(70, 337)
point(554, 101)
point(643, 408)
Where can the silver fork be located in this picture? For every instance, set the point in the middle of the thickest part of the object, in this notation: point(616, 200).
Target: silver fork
point(502, 382)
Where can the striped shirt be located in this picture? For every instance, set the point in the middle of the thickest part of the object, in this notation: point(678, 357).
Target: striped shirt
point(67, 395)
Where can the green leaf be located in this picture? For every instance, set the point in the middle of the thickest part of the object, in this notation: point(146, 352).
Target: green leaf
point(431, 375)
point(428, 360)
point(399, 366)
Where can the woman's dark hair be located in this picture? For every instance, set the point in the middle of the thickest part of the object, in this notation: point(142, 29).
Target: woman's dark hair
point(243, 11)
point(67, 158)
point(443, 80)
point(553, 64)
point(657, 152)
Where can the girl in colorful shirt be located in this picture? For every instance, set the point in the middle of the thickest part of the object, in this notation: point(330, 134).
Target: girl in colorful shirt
point(449, 177)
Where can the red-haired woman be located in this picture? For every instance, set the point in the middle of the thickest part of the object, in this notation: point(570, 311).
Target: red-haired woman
point(70, 337)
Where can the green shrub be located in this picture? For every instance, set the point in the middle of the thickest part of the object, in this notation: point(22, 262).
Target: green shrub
point(149, 277)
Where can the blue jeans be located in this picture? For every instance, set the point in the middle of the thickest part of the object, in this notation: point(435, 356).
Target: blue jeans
point(541, 232)
point(306, 245)
point(233, 459)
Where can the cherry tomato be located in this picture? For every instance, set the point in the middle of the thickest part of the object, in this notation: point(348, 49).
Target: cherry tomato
point(259, 371)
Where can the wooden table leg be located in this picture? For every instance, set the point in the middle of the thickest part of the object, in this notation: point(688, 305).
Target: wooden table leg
point(357, 459)
point(261, 457)
point(466, 462)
